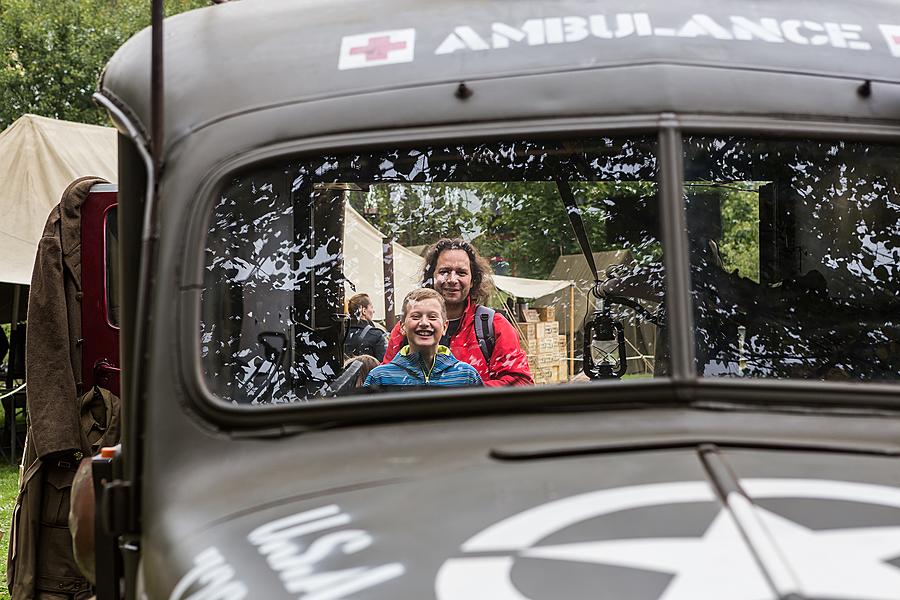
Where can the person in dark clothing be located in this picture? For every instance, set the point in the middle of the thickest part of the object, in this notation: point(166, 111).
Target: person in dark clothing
point(363, 336)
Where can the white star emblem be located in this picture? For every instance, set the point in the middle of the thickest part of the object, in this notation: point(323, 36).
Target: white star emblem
point(832, 563)
point(844, 563)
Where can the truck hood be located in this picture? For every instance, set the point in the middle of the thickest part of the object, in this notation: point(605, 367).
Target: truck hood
point(667, 524)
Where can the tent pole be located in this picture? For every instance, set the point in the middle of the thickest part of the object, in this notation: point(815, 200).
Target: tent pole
point(17, 291)
point(13, 324)
point(570, 363)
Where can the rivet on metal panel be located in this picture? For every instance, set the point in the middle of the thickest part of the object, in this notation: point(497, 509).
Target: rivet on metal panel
point(463, 92)
point(865, 89)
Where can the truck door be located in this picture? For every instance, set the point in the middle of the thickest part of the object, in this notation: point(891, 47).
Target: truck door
point(99, 284)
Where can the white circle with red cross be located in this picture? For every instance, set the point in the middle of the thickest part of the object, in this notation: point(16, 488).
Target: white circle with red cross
point(826, 563)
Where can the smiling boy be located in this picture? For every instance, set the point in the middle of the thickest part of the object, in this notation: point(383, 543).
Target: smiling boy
point(423, 362)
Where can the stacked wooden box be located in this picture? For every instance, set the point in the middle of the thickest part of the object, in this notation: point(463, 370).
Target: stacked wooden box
point(540, 340)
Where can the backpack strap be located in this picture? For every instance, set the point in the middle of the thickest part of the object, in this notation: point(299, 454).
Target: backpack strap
point(484, 331)
point(359, 334)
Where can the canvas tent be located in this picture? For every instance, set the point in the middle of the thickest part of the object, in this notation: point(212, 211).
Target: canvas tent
point(364, 263)
point(39, 158)
point(574, 267)
point(640, 339)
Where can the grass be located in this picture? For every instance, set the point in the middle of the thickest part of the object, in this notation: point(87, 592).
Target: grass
point(9, 487)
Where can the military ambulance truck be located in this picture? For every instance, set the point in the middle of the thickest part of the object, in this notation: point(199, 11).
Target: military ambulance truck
point(744, 157)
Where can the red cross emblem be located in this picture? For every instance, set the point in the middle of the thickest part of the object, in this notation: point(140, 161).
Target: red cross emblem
point(378, 48)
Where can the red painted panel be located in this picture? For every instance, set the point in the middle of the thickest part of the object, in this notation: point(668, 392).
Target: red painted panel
point(100, 346)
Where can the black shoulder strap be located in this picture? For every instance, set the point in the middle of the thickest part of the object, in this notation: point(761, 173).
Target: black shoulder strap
point(358, 334)
point(484, 331)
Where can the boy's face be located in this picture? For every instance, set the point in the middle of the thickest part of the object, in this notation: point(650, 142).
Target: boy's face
point(424, 324)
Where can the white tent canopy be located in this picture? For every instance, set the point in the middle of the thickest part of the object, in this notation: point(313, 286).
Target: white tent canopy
point(39, 158)
point(364, 263)
point(522, 287)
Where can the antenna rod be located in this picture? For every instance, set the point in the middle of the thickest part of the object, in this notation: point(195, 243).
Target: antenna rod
point(156, 87)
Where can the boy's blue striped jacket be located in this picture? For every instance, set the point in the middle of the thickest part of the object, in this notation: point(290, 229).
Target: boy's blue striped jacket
point(407, 369)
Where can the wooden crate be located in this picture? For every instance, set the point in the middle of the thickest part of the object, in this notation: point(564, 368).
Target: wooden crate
point(547, 345)
point(547, 360)
point(546, 313)
point(527, 331)
point(547, 329)
point(530, 315)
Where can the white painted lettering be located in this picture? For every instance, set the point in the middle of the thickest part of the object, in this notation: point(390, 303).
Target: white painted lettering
point(575, 29)
point(843, 35)
point(600, 29)
point(503, 33)
point(642, 24)
point(553, 29)
point(534, 29)
point(451, 44)
point(703, 25)
point(295, 559)
point(214, 578)
point(767, 30)
point(303, 523)
point(462, 38)
point(349, 541)
point(792, 27)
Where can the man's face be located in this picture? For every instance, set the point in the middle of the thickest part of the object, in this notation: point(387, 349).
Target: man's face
point(424, 324)
point(453, 276)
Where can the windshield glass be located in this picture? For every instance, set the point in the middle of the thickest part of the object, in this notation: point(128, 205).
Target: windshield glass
point(795, 254)
point(292, 247)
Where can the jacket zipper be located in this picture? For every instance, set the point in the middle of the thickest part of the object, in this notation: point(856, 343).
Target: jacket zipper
point(428, 374)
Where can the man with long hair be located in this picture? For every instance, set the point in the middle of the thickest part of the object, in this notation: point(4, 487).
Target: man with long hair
point(462, 277)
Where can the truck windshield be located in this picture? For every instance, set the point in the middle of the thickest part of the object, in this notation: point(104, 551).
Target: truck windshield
point(795, 255)
point(290, 247)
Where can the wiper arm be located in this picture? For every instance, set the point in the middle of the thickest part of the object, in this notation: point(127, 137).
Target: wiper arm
point(574, 214)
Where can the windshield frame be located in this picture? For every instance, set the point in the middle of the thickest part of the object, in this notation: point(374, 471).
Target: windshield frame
point(682, 386)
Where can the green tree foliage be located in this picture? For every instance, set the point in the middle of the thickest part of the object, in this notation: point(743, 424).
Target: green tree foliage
point(53, 51)
point(524, 223)
point(740, 235)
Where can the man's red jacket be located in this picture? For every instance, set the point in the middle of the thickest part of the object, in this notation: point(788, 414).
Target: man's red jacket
point(508, 366)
